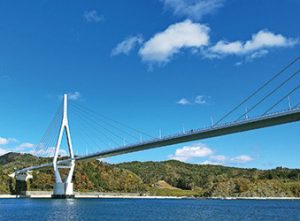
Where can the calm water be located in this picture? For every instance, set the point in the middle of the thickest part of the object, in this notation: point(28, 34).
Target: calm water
point(150, 209)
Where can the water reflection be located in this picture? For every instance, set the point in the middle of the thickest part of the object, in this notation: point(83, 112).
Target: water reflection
point(63, 209)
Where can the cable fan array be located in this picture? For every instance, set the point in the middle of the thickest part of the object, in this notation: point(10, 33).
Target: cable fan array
point(93, 132)
point(263, 100)
point(46, 147)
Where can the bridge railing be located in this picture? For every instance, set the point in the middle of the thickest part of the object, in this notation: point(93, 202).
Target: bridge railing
point(166, 138)
point(209, 128)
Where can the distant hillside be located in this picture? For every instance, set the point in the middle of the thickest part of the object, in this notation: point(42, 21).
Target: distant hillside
point(89, 176)
point(210, 180)
point(160, 178)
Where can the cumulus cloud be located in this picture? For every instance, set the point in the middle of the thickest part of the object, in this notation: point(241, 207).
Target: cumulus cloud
point(224, 160)
point(126, 46)
point(194, 9)
point(92, 16)
point(253, 56)
point(71, 96)
point(11, 145)
point(3, 151)
point(164, 45)
point(241, 159)
point(4, 141)
point(192, 151)
point(200, 100)
point(44, 152)
point(74, 96)
point(258, 54)
point(24, 146)
point(183, 101)
point(257, 45)
point(194, 37)
point(210, 162)
point(41, 150)
point(216, 160)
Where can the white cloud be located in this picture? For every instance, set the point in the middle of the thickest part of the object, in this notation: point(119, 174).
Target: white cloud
point(200, 99)
point(3, 151)
point(92, 16)
point(194, 9)
point(223, 160)
point(216, 160)
point(192, 151)
point(209, 162)
point(176, 38)
point(26, 145)
point(253, 56)
point(183, 101)
point(258, 45)
point(239, 63)
point(13, 147)
point(74, 96)
point(127, 45)
point(164, 45)
point(257, 54)
point(223, 47)
point(241, 159)
point(23, 146)
point(49, 151)
point(4, 141)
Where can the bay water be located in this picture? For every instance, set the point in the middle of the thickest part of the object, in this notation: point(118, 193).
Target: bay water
point(148, 209)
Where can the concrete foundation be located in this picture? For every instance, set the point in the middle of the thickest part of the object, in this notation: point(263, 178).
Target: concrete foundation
point(22, 186)
point(63, 191)
point(62, 196)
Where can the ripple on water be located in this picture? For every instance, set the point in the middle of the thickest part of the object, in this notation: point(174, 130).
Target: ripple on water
point(148, 209)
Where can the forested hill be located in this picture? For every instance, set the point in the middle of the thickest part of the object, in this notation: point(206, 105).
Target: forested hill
point(160, 178)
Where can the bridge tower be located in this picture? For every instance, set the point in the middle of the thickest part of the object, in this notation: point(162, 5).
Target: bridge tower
point(64, 188)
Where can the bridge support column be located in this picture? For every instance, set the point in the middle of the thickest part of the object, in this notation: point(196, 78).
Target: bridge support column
point(64, 189)
point(22, 182)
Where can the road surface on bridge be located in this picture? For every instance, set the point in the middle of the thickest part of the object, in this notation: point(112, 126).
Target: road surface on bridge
point(269, 120)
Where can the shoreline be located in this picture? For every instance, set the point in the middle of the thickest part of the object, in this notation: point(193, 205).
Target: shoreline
point(83, 196)
point(131, 196)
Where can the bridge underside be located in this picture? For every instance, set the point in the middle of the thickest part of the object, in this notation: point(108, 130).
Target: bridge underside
point(263, 122)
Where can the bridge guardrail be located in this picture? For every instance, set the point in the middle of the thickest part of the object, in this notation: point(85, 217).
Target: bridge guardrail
point(206, 129)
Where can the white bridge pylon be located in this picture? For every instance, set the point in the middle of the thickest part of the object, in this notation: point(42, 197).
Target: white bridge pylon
point(64, 188)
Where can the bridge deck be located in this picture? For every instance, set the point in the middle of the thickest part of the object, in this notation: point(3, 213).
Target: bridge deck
point(229, 128)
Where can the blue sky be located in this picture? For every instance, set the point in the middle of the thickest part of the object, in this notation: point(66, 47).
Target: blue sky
point(161, 64)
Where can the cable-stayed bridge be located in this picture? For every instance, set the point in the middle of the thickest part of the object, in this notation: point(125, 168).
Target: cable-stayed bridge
point(51, 144)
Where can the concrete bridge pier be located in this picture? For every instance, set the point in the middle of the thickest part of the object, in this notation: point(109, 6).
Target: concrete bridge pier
point(63, 189)
point(22, 182)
